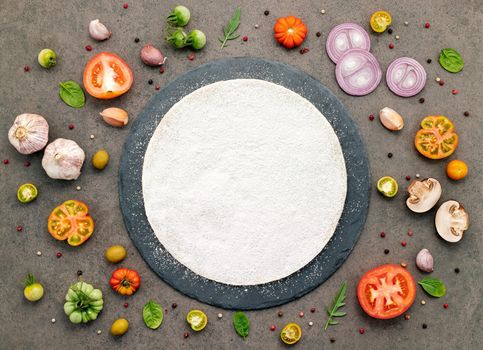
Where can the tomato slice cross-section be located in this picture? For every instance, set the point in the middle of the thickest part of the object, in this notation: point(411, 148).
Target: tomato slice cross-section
point(386, 291)
point(437, 138)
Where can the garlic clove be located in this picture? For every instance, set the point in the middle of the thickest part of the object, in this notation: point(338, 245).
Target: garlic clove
point(424, 261)
point(98, 31)
point(151, 56)
point(63, 159)
point(115, 116)
point(451, 221)
point(29, 133)
point(391, 119)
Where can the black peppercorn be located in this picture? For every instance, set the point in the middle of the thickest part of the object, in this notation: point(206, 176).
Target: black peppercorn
point(421, 100)
point(457, 270)
point(425, 326)
point(150, 81)
point(174, 305)
point(389, 31)
point(280, 313)
point(266, 13)
point(466, 114)
point(389, 155)
point(429, 60)
point(386, 251)
point(186, 334)
point(318, 34)
point(79, 273)
point(136, 40)
point(332, 340)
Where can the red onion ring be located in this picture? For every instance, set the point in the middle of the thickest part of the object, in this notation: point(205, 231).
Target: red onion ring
point(358, 73)
point(346, 36)
point(405, 77)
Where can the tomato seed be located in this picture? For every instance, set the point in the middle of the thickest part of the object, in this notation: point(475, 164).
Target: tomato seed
point(6, 161)
point(59, 254)
point(382, 234)
point(273, 328)
point(445, 305)
point(391, 46)
point(88, 47)
point(404, 243)
point(361, 330)
point(19, 228)
point(245, 38)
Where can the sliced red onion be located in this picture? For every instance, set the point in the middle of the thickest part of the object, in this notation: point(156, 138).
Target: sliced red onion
point(346, 36)
point(405, 77)
point(358, 72)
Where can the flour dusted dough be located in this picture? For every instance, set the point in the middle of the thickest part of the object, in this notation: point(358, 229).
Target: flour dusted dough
point(244, 181)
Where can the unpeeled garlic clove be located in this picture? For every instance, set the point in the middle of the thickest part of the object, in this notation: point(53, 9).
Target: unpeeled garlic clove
point(29, 133)
point(115, 116)
point(98, 31)
point(391, 119)
point(151, 56)
point(424, 261)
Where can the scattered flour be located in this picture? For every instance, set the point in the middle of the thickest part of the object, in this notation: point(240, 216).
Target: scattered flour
point(244, 181)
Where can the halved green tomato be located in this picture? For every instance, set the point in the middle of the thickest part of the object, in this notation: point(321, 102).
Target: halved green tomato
point(197, 320)
point(380, 20)
point(387, 186)
point(291, 333)
point(27, 193)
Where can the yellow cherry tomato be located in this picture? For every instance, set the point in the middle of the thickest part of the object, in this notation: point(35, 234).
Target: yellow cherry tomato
point(197, 320)
point(380, 21)
point(291, 333)
point(457, 169)
point(100, 159)
point(119, 327)
point(115, 253)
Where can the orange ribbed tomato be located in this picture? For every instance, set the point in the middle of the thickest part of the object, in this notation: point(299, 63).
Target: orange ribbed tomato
point(125, 281)
point(290, 31)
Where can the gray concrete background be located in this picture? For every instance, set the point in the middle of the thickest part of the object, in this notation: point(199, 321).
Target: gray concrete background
point(26, 27)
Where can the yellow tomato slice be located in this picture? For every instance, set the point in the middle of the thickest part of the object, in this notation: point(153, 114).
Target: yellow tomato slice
point(291, 333)
point(197, 320)
point(380, 21)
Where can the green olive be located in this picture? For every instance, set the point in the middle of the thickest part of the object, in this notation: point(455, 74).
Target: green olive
point(100, 159)
point(115, 253)
point(47, 58)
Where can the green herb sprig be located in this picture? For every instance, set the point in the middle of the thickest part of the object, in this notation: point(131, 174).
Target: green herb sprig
point(230, 29)
point(338, 302)
point(433, 287)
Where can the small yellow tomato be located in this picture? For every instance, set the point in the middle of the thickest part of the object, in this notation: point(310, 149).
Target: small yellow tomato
point(457, 169)
point(100, 159)
point(119, 327)
point(115, 253)
point(380, 20)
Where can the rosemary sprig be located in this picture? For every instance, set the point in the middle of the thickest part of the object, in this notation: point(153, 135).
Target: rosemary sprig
point(230, 29)
point(337, 303)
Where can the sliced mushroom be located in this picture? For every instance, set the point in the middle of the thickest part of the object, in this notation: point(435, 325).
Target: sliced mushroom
point(451, 221)
point(423, 195)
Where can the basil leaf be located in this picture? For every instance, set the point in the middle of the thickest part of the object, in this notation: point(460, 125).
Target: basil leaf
point(152, 314)
point(241, 324)
point(433, 287)
point(451, 60)
point(72, 94)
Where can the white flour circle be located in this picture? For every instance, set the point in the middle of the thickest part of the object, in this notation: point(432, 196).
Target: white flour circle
point(244, 181)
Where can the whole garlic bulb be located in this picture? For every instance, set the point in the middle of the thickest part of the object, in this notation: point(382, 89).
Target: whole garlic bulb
point(98, 31)
point(29, 133)
point(63, 159)
point(424, 261)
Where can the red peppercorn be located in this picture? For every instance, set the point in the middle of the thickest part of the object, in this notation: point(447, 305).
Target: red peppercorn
point(59, 254)
point(312, 310)
point(427, 25)
point(88, 47)
point(26, 163)
point(273, 328)
point(441, 82)
point(126, 304)
point(410, 232)
point(186, 335)
point(71, 126)
point(404, 243)
point(371, 117)
point(26, 68)
point(161, 70)
point(191, 56)
point(455, 91)
point(445, 305)
point(125, 6)
point(301, 314)
point(382, 234)
point(407, 317)
point(408, 177)
point(245, 38)
point(19, 228)
point(6, 161)
point(157, 87)
point(391, 46)
point(361, 330)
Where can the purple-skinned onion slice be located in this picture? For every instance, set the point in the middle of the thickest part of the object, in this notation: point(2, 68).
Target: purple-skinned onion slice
point(405, 77)
point(344, 37)
point(358, 73)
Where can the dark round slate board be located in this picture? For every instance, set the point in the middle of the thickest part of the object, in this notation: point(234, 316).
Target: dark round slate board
point(264, 295)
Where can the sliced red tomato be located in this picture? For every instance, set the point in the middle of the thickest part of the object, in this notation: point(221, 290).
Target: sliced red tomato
point(386, 291)
point(437, 138)
point(107, 76)
point(71, 221)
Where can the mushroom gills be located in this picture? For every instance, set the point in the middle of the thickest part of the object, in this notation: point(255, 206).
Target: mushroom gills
point(451, 221)
point(423, 195)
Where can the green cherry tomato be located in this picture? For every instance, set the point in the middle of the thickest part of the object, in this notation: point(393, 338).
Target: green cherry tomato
point(47, 58)
point(27, 193)
point(387, 186)
point(33, 290)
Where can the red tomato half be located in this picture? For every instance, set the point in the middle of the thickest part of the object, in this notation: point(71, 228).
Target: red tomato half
point(107, 76)
point(386, 291)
